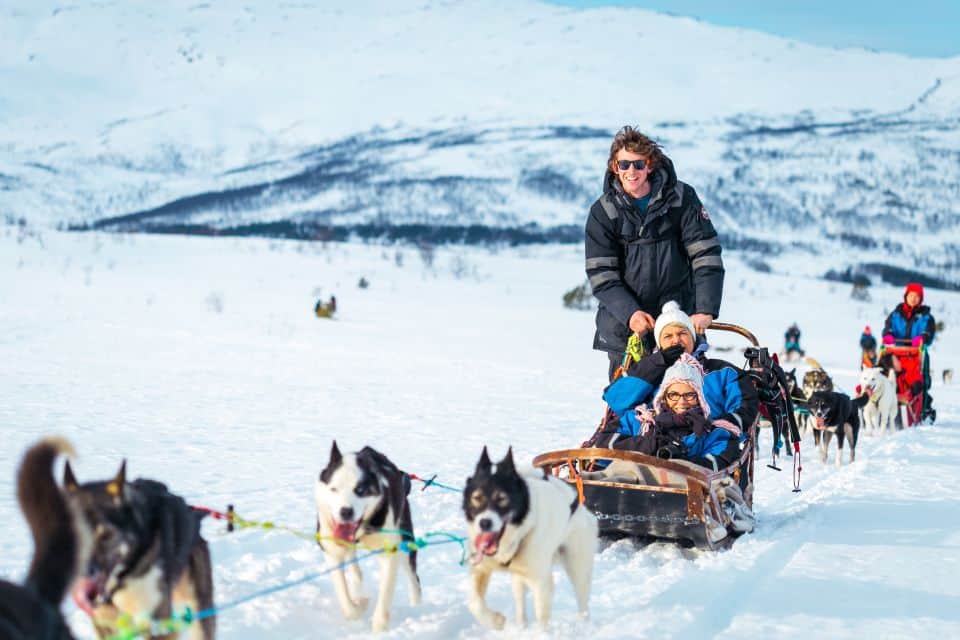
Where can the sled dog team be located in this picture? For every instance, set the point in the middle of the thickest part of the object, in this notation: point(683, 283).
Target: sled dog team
point(830, 412)
point(132, 550)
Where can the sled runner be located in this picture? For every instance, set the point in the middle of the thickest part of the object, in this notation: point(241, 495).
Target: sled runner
point(647, 497)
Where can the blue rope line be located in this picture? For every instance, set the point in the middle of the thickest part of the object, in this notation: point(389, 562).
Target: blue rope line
point(163, 626)
point(283, 586)
point(432, 482)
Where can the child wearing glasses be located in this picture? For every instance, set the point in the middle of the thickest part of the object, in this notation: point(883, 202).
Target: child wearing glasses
point(679, 426)
point(728, 390)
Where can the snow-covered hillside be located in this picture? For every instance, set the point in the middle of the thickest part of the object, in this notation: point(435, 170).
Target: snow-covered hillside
point(201, 362)
point(318, 120)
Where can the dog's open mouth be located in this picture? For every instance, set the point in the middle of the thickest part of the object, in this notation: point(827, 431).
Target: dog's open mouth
point(88, 591)
point(487, 543)
point(346, 531)
point(821, 423)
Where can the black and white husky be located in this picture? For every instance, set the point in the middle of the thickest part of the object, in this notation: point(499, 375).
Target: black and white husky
point(61, 546)
point(836, 413)
point(362, 500)
point(523, 524)
point(148, 562)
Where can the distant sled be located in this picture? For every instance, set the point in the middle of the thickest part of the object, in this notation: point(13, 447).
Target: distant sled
point(652, 498)
point(326, 309)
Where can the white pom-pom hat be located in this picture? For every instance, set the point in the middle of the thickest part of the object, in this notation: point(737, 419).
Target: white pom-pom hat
point(672, 314)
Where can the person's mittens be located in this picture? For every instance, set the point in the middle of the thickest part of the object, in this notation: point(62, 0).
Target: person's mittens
point(696, 421)
point(917, 341)
point(672, 354)
point(667, 421)
point(889, 339)
point(650, 368)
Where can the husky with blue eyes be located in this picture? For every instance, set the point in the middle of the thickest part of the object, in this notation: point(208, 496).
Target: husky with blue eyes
point(361, 502)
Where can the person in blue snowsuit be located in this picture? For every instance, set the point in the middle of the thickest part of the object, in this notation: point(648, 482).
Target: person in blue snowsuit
point(679, 425)
point(912, 324)
point(727, 392)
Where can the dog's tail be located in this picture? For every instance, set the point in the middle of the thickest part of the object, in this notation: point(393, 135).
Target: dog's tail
point(861, 401)
point(51, 523)
point(813, 363)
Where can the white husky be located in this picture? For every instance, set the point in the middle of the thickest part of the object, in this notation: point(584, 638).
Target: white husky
point(881, 411)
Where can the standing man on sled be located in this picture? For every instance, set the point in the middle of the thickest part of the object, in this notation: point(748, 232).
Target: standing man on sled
point(648, 240)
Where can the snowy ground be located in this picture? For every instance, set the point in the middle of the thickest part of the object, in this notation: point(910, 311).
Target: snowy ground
point(201, 362)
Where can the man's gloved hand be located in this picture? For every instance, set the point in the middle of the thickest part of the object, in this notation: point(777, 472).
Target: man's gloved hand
point(888, 339)
point(652, 367)
point(917, 341)
point(672, 354)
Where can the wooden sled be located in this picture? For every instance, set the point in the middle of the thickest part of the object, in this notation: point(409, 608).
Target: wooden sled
point(671, 500)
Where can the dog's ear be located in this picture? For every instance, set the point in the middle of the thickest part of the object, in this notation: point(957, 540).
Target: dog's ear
point(506, 465)
point(69, 480)
point(368, 456)
point(115, 486)
point(483, 464)
point(336, 459)
point(396, 480)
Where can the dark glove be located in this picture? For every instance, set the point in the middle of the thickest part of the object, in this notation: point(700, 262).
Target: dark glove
point(667, 422)
point(652, 367)
point(671, 354)
point(696, 421)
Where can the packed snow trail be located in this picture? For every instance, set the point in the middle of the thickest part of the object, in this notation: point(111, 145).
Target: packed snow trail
point(200, 360)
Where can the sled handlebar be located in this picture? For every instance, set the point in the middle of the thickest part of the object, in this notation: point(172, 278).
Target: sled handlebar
point(733, 328)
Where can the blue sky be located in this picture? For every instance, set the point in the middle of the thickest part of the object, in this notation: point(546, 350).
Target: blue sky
point(916, 27)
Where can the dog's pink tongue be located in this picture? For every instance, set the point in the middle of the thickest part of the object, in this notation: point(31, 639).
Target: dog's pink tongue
point(821, 423)
point(486, 543)
point(345, 531)
point(83, 592)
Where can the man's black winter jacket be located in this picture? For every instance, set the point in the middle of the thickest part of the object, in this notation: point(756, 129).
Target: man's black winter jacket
point(639, 262)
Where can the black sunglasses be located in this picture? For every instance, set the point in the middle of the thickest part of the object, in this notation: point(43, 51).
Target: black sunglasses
point(637, 164)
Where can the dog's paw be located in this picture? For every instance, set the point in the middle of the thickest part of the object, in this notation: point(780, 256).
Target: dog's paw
point(381, 621)
point(497, 620)
point(358, 609)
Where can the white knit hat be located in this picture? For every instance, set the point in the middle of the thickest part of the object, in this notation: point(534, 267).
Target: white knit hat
point(672, 314)
point(688, 370)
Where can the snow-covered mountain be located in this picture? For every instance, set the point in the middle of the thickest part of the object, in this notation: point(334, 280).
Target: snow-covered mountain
point(468, 120)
